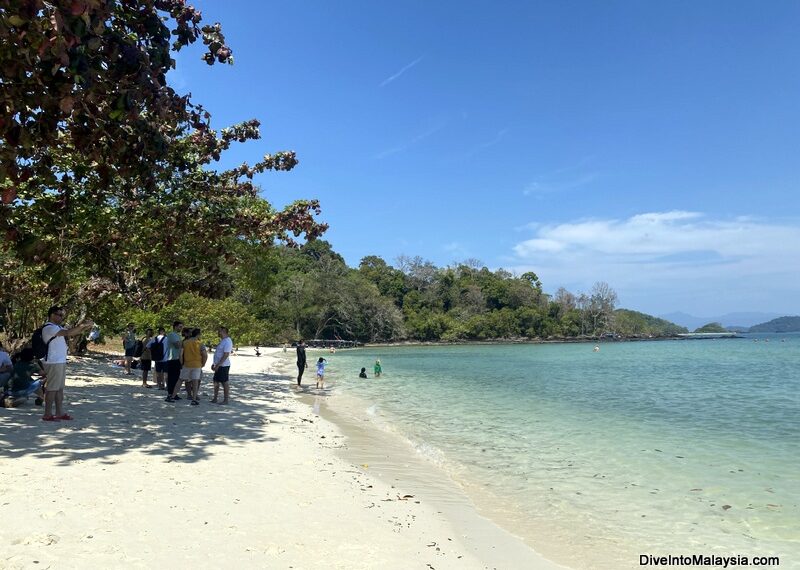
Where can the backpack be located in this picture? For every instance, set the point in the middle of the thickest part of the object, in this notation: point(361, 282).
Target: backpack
point(157, 349)
point(138, 349)
point(39, 346)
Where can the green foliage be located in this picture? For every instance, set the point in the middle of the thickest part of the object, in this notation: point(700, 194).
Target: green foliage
point(635, 324)
point(92, 74)
point(199, 312)
point(779, 325)
point(711, 328)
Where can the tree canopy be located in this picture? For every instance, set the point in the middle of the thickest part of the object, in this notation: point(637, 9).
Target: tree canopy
point(108, 178)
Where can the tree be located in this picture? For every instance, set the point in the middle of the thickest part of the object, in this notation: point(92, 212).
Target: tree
point(106, 146)
point(390, 281)
point(600, 308)
point(565, 300)
point(92, 74)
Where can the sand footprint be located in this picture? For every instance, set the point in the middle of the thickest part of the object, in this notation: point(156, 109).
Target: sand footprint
point(38, 539)
point(53, 514)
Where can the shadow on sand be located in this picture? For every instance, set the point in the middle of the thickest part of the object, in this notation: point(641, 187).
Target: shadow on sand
point(112, 420)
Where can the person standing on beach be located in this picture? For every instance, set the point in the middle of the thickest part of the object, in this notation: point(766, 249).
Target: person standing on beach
point(183, 379)
point(222, 365)
point(174, 345)
point(147, 357)
point(192, 364)
point(55, 361)
point(158, 353)
point(301, 360)
point(203, 358)
point(129, 344)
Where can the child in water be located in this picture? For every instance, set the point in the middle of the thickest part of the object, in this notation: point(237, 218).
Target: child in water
point(321, 372)
point(377, 369)
point(363, 373)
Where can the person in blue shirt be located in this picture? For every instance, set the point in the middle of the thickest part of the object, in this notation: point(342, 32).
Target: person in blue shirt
point(22, 384)
point(321, 372)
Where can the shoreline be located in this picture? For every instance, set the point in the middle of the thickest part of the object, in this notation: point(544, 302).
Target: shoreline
point(390, 460)
point(258, 483)
point(540, 341)
point(478, 513)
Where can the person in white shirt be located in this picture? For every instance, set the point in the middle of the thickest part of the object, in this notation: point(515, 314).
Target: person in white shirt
point(6, 368)
point(55, 362)
point(222, 365)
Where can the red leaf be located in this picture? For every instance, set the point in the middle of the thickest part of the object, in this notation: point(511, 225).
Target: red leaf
point(9, 194)
point(66, 105)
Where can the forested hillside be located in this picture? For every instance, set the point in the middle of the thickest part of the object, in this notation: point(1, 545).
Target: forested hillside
point(284, 293)
point(781, 324)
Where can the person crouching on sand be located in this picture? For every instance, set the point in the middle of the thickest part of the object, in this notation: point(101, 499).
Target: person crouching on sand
point(321, 372)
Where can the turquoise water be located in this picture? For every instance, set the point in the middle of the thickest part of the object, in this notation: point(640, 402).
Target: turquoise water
point(670, 447)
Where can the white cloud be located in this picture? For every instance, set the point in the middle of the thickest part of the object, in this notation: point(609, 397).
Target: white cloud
point(671, 254)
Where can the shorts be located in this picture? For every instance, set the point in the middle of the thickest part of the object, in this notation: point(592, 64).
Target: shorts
point(145, 365)
point(161, 365)
point(130, 351)
point(221, 374)
point(191, 373)
point(56, 376)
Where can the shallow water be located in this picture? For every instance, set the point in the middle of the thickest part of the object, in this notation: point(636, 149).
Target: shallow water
point(669, 447)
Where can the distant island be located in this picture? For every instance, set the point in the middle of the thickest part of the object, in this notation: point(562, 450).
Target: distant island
point(779, 325)
point(711, 328)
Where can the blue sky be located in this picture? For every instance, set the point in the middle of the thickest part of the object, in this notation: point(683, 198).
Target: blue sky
point(650, 145)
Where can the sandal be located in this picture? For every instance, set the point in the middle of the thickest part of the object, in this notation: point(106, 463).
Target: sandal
point(50, 419)
point(66, 417)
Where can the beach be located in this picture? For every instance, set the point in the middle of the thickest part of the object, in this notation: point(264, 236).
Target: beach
point(135, 482)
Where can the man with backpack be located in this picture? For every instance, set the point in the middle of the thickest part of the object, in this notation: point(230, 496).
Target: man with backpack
point(50, 345)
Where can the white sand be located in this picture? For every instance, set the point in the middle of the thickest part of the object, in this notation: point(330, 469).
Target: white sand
point(134, 482)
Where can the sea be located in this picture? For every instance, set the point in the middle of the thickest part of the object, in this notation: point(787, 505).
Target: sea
point(673, 447)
